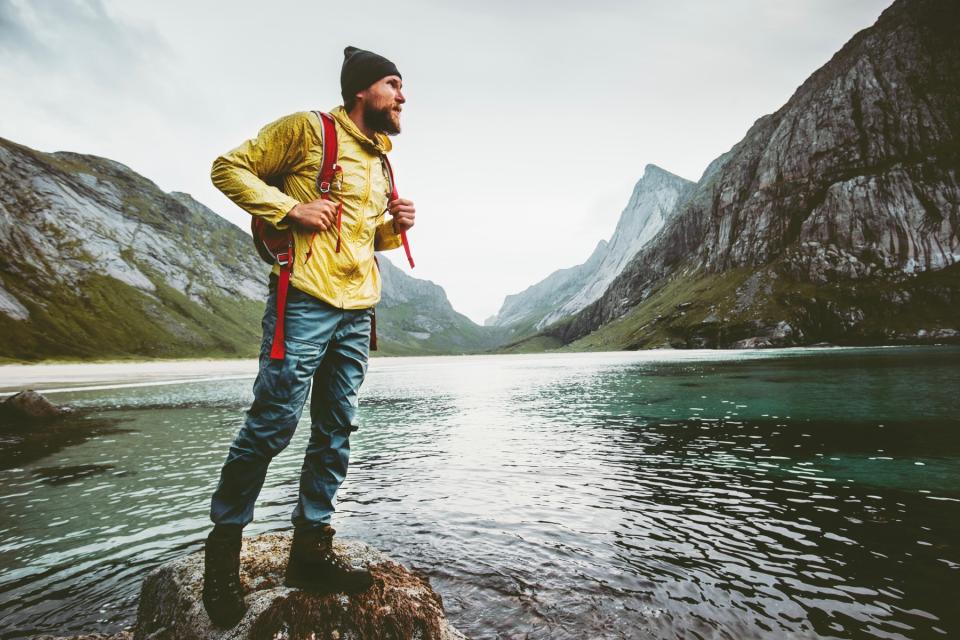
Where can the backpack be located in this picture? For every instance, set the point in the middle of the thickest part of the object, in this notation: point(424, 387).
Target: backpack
point(275, 246)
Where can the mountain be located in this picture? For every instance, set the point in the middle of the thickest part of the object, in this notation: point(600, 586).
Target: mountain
point(834, 219)
point(525, 311)
point(96, 261)
point(652, 202)
point(415, 317)
point(567, 291)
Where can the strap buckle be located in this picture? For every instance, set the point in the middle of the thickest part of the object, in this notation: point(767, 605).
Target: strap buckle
point(324, 187)
point(283, 259)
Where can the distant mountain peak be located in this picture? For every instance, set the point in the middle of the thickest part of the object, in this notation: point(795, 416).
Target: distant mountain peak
point(652, 171)
point(566, 291)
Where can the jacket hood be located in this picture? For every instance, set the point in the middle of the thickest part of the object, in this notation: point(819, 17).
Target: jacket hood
point(380, 142)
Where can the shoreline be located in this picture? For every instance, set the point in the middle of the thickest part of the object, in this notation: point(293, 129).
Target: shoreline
point(64, 376)
point(51, 377)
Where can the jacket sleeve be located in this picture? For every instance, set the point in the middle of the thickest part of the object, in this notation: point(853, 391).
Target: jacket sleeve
point(386, 238)
point(242, 174)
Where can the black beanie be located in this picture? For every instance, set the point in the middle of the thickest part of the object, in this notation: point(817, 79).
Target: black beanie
point(361, 69)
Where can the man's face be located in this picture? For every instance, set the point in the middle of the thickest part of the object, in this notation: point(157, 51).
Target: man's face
point(382, 105)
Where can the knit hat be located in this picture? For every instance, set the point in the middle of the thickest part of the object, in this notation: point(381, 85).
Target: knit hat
point(361, 69)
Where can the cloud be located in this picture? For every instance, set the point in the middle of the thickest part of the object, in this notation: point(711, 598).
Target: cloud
point(84, 73)
point(14, 36)
point(78, 38)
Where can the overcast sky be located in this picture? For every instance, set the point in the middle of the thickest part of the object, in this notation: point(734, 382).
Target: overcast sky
point(526, 123)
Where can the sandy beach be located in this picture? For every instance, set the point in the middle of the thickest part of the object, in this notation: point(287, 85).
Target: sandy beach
point(50, 378)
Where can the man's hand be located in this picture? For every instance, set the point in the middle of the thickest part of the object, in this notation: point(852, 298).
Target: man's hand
point(403, 214)
point(319, 214)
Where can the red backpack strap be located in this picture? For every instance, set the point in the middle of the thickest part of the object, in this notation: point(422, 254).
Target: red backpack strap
point(328, 172)
point(373, 314)
point(277, 349)
point(393, 196)
point(329, 168)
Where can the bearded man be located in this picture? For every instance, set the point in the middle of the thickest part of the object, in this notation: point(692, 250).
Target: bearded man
point(326, 325)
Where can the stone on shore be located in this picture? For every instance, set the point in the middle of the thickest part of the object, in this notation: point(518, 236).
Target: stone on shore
point(401, 605)
point(30, 406)
point(122, 635)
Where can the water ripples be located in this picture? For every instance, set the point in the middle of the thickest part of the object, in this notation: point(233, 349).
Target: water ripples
point(797, 494)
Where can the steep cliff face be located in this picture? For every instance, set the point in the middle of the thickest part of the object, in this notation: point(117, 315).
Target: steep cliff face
point(567, 291)
point(851, 185)
point(97, 261)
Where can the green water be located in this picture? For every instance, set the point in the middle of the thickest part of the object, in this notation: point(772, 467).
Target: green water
point(716, 494)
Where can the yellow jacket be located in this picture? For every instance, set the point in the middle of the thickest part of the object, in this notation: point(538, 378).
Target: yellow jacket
point(289, 153)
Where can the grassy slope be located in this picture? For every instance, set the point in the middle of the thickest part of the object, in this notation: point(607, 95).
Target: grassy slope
point(816, 309)
point(105, 318)
point(657, 322)
point(461, 336)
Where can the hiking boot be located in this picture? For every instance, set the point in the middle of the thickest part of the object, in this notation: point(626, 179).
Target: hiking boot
point(222, 593)
point(314, 566)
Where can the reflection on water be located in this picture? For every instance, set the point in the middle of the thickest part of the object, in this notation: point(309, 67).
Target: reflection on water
point(800, 493)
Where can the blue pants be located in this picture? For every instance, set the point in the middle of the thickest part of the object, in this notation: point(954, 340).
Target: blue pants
point(328, 347)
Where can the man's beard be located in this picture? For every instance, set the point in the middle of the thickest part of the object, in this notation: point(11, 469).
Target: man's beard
point(380, 120)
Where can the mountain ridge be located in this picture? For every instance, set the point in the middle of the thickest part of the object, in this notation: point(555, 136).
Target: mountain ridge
point(566, 291)
point(96, 261)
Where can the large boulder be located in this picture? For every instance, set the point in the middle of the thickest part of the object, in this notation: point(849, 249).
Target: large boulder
point(401, 605)
point(120, 635)
point(30, 406)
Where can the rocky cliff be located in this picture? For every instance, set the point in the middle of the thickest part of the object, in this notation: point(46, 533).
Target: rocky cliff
point(835, 218)
point(567, 291)
point(96, 261)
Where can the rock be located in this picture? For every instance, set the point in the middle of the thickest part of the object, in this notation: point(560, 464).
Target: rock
point(30, 406)
point(782, 330)
point(756, 342)
point(122, 635)
point(400, 605)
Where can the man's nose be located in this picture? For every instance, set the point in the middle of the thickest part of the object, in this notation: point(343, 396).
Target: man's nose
point(400, 97)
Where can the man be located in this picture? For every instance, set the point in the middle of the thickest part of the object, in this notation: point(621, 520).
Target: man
point(328, 313)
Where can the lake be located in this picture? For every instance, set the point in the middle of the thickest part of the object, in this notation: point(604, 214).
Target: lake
point(659, 494)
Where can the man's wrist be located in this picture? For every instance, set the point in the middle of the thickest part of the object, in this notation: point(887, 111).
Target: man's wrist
point(293, 213)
